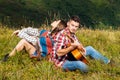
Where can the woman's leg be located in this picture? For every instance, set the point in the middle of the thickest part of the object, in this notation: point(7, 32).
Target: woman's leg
point(19, 47)
point(23, 44)
point(90, 51)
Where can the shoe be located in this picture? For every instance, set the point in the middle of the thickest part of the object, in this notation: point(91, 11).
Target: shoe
point(112, 62)
point(5, 58)
point(39, 59)
point(36, 55)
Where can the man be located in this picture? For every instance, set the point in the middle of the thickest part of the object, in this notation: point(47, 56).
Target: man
point(61, 50)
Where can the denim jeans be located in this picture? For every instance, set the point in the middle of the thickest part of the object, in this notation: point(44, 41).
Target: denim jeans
point(73, 65)
point(90, 51)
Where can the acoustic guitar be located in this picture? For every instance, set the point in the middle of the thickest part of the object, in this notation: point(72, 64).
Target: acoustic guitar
point(76, 54)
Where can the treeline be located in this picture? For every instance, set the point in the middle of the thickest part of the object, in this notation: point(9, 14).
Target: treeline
point(36, 12)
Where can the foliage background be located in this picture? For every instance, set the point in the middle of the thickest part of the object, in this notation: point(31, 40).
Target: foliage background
point(102, 14)
point(35, 12)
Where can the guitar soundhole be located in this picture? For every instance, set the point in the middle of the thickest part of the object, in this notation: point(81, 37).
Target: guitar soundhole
point(71, 57)
point(82, 58)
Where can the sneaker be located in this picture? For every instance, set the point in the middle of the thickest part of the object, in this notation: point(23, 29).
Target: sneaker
point(112, 62)
point(5, 58)
point(38, 59)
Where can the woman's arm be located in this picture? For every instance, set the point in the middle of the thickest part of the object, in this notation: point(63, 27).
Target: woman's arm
point(28, 34)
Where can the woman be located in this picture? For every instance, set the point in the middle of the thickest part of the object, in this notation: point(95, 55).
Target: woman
point(36, 43)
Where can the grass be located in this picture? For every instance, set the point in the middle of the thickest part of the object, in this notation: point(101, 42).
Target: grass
point(21, 67)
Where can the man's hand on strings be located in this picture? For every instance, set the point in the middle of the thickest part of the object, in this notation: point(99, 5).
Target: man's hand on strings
point(81, 48)
point(75, 44)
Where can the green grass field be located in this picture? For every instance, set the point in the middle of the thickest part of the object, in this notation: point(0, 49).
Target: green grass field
point(21, 67)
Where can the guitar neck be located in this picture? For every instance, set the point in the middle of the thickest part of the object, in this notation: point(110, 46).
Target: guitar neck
point(72, 40)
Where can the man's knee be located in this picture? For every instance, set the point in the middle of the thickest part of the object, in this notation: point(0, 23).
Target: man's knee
point(89, 47)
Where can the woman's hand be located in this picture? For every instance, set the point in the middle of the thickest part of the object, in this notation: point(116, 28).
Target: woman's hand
point(15, 32)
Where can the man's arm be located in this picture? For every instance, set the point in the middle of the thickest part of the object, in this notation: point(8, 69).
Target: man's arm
point(75, 44)
point(62, 52)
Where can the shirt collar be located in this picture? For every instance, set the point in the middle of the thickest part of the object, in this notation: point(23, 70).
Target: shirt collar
point(67, 31)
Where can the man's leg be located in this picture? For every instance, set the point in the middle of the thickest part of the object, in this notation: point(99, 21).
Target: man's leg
point(90, 51)
point(73, 65)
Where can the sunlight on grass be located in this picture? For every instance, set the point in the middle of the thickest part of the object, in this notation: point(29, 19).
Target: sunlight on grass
point(21, 67)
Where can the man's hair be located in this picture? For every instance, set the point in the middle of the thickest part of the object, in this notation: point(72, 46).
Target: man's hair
point(75, 18)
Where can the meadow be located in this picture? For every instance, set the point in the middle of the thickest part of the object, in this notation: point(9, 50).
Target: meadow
point(21, 67)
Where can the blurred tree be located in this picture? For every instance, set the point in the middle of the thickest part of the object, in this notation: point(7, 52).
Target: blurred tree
point(37, 12)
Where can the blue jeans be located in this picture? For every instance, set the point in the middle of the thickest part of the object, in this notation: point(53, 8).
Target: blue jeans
point(90, 51)
point(73, 65)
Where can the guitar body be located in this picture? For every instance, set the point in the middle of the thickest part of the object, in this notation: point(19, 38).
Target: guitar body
point(77, 55)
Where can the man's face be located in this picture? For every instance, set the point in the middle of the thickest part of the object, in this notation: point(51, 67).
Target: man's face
point(54, 24)
point(73, 26)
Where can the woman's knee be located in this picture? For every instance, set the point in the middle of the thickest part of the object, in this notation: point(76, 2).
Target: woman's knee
point(20, 45)
point(23, 41)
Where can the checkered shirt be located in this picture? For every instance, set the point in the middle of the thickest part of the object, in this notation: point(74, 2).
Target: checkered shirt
point(30, 34)
point(60, 41)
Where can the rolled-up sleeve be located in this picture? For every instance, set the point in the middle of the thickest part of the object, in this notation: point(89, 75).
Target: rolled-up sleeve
point(29, 34)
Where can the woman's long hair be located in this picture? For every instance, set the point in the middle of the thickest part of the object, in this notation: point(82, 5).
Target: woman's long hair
point(59, 27)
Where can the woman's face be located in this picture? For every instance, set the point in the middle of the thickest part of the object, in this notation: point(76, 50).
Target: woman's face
point(55, 23)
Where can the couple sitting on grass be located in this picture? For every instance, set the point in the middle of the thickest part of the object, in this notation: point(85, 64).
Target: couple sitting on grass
point(61, 44)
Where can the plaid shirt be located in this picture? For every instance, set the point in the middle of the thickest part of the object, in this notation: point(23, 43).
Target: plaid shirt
point(42, 38)
point(61, 41)
point(30, 34)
